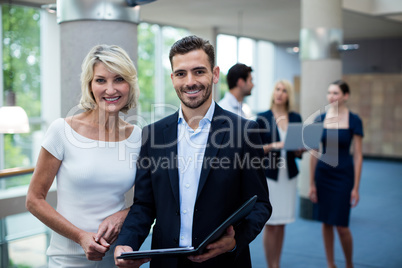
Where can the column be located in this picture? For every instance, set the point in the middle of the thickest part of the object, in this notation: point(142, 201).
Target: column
point(84, 24)
point(320, 36)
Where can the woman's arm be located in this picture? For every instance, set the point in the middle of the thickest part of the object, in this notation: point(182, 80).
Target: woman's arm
point(42, 179)
point(358, 163)
point(313, 190)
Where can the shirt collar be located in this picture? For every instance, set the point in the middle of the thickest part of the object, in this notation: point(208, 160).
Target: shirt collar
point(232, 100)
point(207, 117)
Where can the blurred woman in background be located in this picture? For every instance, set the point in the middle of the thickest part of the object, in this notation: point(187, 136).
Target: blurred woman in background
point(335, 175)
point(281, 169)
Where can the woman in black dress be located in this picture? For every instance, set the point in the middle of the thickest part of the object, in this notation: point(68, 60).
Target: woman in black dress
point(335, 175)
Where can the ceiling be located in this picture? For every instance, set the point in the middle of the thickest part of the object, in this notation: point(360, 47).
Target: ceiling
point(272, 20)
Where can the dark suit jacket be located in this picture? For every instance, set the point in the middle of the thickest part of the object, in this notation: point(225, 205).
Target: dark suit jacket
point(226, 181)
point(269, 133)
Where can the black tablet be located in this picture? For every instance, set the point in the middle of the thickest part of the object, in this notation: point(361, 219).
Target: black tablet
point(233, 219)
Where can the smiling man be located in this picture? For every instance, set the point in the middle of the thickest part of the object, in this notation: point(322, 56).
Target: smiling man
point(203, 184)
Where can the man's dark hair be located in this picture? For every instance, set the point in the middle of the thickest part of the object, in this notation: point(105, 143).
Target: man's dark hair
point(190, 43)
point(342, 85)
point(239, 70)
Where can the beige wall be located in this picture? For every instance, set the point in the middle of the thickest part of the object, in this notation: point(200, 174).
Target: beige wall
point(377, 99)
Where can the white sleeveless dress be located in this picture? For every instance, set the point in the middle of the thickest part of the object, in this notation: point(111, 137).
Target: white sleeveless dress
point(282, 193)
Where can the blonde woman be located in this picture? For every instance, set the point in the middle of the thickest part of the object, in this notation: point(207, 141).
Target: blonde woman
point(280, 168)
point(90, 154)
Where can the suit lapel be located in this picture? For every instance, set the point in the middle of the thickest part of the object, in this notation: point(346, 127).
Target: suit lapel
point(218, 122)
point(170, 139)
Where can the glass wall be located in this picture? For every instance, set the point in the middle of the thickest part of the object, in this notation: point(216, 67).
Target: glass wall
point(21, 77)
point(157, 95)
point(20, 28)
point(259, 55)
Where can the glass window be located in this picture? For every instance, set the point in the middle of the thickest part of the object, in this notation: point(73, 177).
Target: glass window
point(157, 95)
point(21, 76)
point(246, 51)
point(255, 53)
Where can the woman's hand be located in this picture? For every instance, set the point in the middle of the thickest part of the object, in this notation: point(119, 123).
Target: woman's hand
point(299, 152)
point(313, 194)
point(273, 146)
point(110, 228)
point(354, 198)
point(94, 251)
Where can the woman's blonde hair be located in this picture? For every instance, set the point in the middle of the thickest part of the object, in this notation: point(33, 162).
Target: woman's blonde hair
point(291, 94)
point(116, 61)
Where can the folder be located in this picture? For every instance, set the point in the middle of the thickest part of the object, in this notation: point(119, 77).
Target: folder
point(303, 136)
point(233, 219)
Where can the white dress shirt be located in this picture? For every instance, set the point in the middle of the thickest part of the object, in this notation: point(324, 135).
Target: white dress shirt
point(190, 151)
point(231, 104)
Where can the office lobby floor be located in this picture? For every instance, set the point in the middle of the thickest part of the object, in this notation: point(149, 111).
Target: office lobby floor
point(376, 225)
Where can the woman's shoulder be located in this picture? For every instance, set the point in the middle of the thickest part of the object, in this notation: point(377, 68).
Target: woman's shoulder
point(320, 117)
point(293, 114)
point(134, 132)
point(266, 114)
point(134, 129)
point(354, 116)
point(57, 125)
point(355, 122)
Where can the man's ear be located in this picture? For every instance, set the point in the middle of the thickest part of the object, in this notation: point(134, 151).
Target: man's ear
point(215, 74)
point(240, 82)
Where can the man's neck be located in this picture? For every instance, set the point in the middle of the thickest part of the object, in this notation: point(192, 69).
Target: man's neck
point(236, 92)
point(194, 116)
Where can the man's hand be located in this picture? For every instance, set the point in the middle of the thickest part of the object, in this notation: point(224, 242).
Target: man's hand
point(225, 244)
point(110, 228)
point(127, 263)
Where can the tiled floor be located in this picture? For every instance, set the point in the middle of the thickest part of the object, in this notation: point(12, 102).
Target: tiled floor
point(376, 225)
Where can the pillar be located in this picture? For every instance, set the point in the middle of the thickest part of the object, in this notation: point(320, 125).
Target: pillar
point(320, 35)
